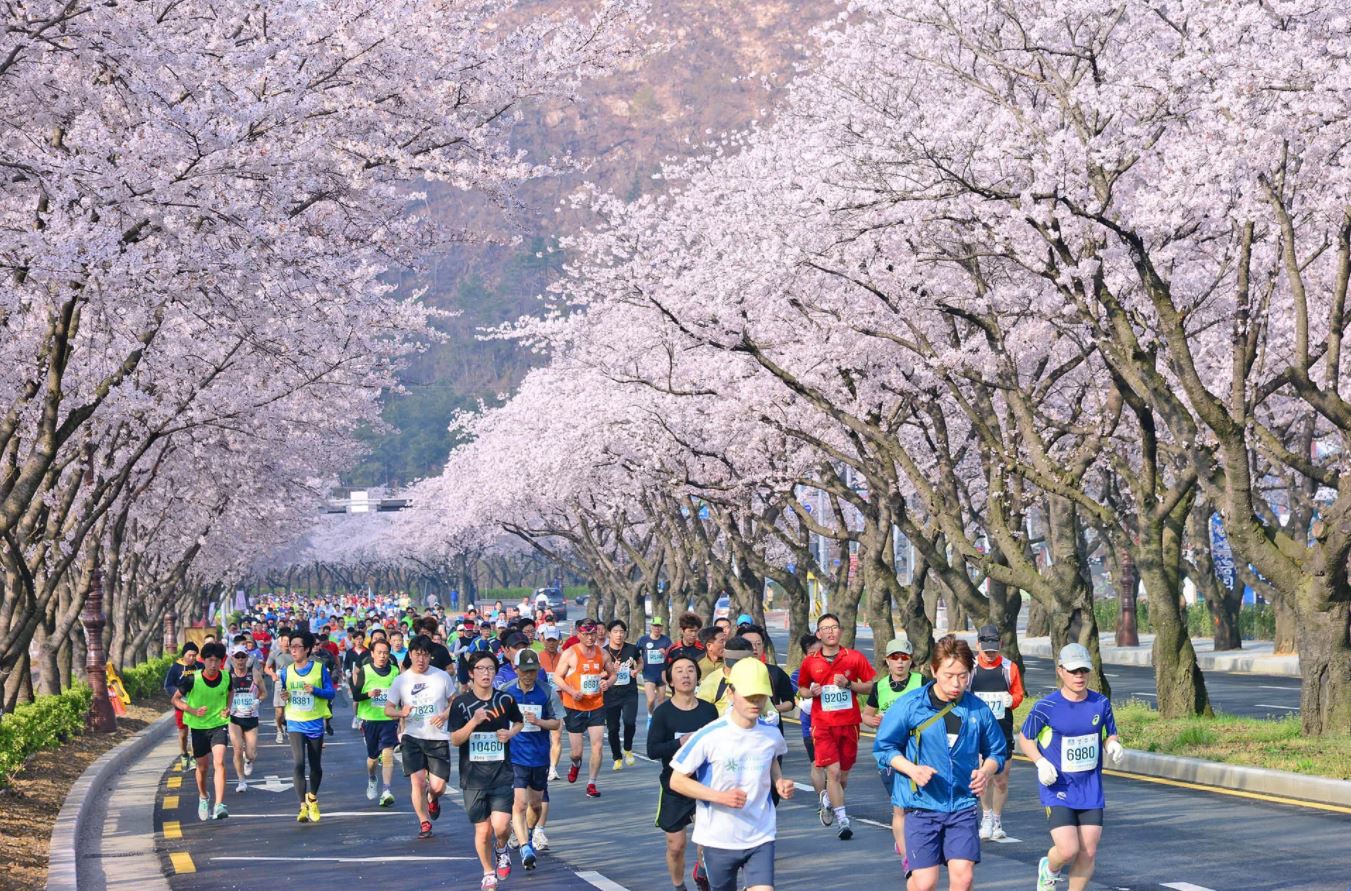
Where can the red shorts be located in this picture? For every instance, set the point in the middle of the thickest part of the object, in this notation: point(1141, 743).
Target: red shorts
point(178, 719)
point(835, 745)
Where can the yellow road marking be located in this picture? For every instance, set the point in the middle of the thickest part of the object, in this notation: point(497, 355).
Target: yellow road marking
point(174, 782)
point(182, 862)
point(173, 829)
point(171, 802)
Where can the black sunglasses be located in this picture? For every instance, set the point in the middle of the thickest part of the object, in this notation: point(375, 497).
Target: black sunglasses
point(1078, 670)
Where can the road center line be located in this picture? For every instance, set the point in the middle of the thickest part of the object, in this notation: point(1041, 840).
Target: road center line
point(1293, 708)
point(600, 881)
point(1273, 687)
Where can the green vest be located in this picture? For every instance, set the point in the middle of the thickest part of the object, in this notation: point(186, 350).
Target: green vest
point(214, 698)
point(373, 709)
point(297, 706)
point(886, 696)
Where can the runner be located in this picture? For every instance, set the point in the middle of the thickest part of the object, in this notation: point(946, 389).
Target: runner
point(370, 690)
point(939, 748)
point(530, 752)
point(688, 645)
point(673, 723)
point(900, 681)
point(737, 761)
point(653, 646)
point(1070, 728)
point(185, 663)
point(204, 699)
point(810, 645)
point(712, 639)
point(833, 678)
point(583, 675)
point(277, 660)
point(621, 699)
point(784, 699)
point(483, 723)
point(421, 696)
point(996, 682)
point(548, 663)
point(307, 690)
point(716, 688)
point(246, 689)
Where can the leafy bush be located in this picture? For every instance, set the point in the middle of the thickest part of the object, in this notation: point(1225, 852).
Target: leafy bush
point(147, 679)
point(1254, 622)
point(45, 723)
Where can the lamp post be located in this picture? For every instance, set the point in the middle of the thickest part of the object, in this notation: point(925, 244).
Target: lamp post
point(1127, 634)
point(170, 644)
point(101, 718)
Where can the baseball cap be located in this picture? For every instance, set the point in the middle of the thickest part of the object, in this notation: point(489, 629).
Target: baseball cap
point(515, 639)
point(988, 637)
point(657, 620)
point(1074, 656)
point(744, 619)
point(551, 632)
point(238, 648)
point(736, 648)
point(750, 677)
point(527, 659)
point(900, 645)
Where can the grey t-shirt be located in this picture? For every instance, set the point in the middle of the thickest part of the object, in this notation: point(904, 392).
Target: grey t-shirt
point(277, 660)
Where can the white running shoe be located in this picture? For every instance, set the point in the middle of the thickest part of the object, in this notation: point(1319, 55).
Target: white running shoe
point(541, 841)
point(386, 798)
point(221, 812)
point(356, 723)
point(204, 809)
point(489, 881)
point(248, 768)
point(281, 738)
point(826, 813)
point(241, 786)
point(553, 774)
point(370, 789)
point(997, 832)
point(986, 826)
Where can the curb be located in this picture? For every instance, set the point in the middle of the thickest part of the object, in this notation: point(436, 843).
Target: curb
point(71, 833)
point(1239, 778)
point(1236, 663)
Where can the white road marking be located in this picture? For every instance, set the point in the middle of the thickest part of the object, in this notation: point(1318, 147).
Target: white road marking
point(600, 881)
point(1007, 840)
point(1185, 886)
point(324, 814)
point(870, 822)
point(1293, 708)
point(402, 858)
point(1150, 695)
point(1272, 687)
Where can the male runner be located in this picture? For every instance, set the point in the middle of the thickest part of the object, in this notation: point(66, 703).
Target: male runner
point(276, 661)
point(552, 638)
point(784, 699)
point(584, 673)
point(942, 745)
point(246, 689)
point(370, 691)
point(713, 638)
point(530, 751)
point(673, 724)
point(1064, 735)
point(809, 644)
point(716, 688)
point(421, 696)
point(997, 683)
point(185, 663)
point(653, 646)
point(900, 681)
point(736, 760)
point(204, 699)
point(688, 644)
point(483, 723)
point(834, 678)
point(621, 699)
point(307, 690)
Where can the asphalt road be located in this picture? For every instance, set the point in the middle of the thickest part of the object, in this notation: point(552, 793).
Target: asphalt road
point(1157, 836)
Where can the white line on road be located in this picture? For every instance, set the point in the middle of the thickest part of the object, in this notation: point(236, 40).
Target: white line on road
point(402, 858)
point(870, 822)
point(1273, 687)
point(1293, 708)
point(1150, 695)
point(601, 881)
point(1185, 886)
point(325, 815)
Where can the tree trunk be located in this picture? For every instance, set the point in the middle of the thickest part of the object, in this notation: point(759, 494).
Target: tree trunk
point(1004, 616)
point(1178, 681)
point(1286, 627)
point(1325, 666)
point(1038, 619)
point(1224, 612)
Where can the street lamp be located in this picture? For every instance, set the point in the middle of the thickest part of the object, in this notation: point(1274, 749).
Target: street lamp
point(101, 718)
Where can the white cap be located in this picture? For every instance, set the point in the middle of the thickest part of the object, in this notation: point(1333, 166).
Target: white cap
point(1074, 656)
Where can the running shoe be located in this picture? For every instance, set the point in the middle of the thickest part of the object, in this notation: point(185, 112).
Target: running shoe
point(997, 831)
point(527, 857)
point(503, 864)
point(592, 791)
point(1045, 878)
point(372, 788)
point(386, 798)
point(356, 723)
point(553, 772)
point(241, 786)
point(312, 802)
point(700, 877)
point(434, 808)
point(619, 764)
point(281, 737)
point(846, 832)
point(328, 726)
point(986, 826)
point(541, 841)
point(512, 842)
point(204, 809)
point(304, 815)
point(221, 813)
point(424, 829)
point(489, 881)
point(629, 759)
point(574, 771)
point(187, 762)
point(248, 768)
point(827, 814)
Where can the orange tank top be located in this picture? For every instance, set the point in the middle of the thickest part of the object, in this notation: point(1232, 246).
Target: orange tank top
point(586, 675)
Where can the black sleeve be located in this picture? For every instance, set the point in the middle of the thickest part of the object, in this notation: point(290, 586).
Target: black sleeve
point(783, 687)
point(662, 743)
point(512, 710)
point(407, 661)
point(357, 682)
point(185, 684)
point(872, 697)
point(172, 677)
point(458, 716)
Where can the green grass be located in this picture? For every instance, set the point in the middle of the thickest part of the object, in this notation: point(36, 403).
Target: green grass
point(1278, 744)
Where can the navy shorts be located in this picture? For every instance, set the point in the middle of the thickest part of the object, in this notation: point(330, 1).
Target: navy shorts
point(756, 866)
point(536, 778)
point(380, 735)
point(932, 838)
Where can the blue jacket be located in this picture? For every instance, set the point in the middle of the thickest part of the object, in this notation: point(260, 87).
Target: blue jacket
point(950, 789)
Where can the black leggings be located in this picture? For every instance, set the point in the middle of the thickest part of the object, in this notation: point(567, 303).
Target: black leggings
point(302, 747)
point(629, 710)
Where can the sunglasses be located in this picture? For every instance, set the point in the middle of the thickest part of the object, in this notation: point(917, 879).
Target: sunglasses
point(1078, 670)
point(898, 655)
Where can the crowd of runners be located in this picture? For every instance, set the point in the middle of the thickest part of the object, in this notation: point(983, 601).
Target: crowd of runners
point(501, 691)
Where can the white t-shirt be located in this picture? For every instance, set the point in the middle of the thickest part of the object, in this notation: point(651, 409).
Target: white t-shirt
point(429, 694)
point(724, 756)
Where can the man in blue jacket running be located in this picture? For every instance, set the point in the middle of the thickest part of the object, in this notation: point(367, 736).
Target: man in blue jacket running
point(939, 747)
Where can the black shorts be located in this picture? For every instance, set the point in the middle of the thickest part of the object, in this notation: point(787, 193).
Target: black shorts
point(577, 721)
point(536, 778)
point(480, 804)
point(674, 812)
point(431, 755)
point(658, 680)
point(204, 740)
point(1072, 816)
point(381, 735)
point(245, 724)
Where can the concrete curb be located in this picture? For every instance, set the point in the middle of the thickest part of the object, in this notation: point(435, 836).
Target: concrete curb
point(79, 825)
point(1258, 780)
point(1235, 662)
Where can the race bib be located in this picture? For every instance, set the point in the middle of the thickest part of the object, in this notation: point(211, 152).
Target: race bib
point(836, 699)
point(245, 703)
point(537, 711)
point(423, 708)
point(302, 701)
point(996, 703)
point(1079, 753)
point(590, 684)
point(486, 747)
point(624, 675)
point(379, 697)
point(655, 656)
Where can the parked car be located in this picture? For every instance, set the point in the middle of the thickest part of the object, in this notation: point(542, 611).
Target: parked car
point(558, 604)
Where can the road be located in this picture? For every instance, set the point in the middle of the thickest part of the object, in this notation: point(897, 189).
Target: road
point(1157, 836)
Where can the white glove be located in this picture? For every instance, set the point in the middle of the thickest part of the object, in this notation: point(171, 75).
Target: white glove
point(1046, 772)
point(1116, 751)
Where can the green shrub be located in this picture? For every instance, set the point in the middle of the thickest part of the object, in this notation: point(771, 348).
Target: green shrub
point(147, 679)
point(1254, 622)
point(45, 723)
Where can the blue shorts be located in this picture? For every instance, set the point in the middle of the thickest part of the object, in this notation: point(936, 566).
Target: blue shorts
point(756, 866)
point(932, 838)
point(535, 778)
point(379, 735)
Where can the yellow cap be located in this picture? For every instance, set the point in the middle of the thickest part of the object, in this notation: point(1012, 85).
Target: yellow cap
point(750, 677)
